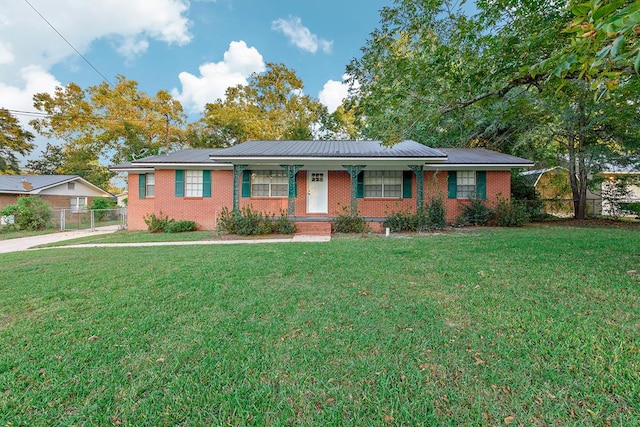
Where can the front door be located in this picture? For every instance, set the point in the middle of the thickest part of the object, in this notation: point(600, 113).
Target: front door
point(317, 192)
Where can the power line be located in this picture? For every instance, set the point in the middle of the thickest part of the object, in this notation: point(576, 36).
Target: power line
point(91, 117)
point(67, 41)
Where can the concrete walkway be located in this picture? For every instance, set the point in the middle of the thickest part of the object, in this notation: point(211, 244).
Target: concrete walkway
point(25, 243)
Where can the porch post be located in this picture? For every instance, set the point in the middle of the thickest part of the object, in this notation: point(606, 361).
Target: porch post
point(291, 171)
point(237, 170)
point(418, 170)
point(354, 170)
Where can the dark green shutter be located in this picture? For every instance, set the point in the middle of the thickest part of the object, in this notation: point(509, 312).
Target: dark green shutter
point(481, 184)
point(179, 183)
point(246, 184)
point(406, 184)
point(360, 186)
point(142, 186)
point(206, 183)
point(453, 185)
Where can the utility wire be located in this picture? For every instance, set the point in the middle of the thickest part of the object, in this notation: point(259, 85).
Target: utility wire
point(67, 41)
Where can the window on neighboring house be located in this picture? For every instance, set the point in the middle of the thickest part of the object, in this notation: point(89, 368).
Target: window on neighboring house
point(272, 183)
point(78, 204)
point(193, 184)
point(467, 184)
point(382, 184)
point(71, 185)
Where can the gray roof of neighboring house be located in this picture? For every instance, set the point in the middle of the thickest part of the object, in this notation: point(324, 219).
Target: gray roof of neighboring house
point(473, 156)
point(190, 155)
point(327, 149)
point(28, 183)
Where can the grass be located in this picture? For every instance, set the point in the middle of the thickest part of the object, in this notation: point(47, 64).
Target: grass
point(535, 326)
point(10, 233)
point(137, 237)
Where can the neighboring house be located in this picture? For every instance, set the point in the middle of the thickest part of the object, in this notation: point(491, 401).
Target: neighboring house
point(313, 181)
point(554, 188)
point(60, 191)
point(613, 174)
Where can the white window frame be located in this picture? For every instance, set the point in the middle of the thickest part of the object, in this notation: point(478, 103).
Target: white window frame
point(193, 183)
point(75, 204)
point(383, 184)
point(150, 185)
point(466, 184)
point(273, 183)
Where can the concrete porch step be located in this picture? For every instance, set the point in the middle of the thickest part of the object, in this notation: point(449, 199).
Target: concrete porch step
point(313, 228)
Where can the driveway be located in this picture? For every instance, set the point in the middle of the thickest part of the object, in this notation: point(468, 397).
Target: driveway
point(24, 243)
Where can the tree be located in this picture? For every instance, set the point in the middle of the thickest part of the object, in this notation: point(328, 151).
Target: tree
point(49, 163)
point(270, 107)
point(439, 74)
point(13, 141)
point(119, 123)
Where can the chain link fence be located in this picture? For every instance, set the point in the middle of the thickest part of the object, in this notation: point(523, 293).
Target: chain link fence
point(74, 219)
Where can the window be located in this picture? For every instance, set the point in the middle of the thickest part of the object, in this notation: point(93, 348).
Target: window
point(150, 186)
point(71, 185)
point(193, 184)
point(78, 204)
point(383, 184)
point(466, 184)
point(269, 184)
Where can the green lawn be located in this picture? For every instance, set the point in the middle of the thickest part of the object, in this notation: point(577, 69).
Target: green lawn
point(534, 326)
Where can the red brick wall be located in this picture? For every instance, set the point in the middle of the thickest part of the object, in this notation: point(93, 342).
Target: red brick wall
point(56, 202)
point(205, 210)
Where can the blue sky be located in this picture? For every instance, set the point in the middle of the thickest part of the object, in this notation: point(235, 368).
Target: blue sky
point(194, 49)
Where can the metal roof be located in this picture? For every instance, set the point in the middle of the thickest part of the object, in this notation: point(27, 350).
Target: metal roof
point(482, 156)
point(326, 150)
point(191, 155)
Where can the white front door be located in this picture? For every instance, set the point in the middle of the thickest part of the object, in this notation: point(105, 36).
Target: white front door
point(317, 192)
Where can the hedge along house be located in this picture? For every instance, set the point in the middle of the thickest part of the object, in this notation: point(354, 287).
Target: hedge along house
point(313, 181)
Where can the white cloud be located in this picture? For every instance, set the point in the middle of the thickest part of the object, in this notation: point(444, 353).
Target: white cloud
point(333, 93)
point(239, 62)
point(300, 35)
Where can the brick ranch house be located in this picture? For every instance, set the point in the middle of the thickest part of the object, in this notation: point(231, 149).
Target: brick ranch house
point(60, 191)
point(313, 181)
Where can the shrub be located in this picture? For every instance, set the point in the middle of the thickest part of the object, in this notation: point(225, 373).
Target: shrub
point(631, 207)
point(156, 224)
point(476, 212)
point(511, 213)
point(180, 226)
point(436, 214)
point(30, 213)
point(525, 193)
point(100, 206)
point(348, 223)
point(248, 222)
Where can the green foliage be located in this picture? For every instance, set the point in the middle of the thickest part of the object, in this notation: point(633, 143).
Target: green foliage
point(436, 213)
point(347, 222)
point(248, 222)
point(180, 226)
point(164, 224)
point(157, 223)
point(511, 213)
point(525, 193)
point(14, 141)
point(632, 207)
point(100, 206)
point(30, 212)
point(475, 212)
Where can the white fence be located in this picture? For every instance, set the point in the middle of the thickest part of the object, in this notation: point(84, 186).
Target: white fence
point(74, 219)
